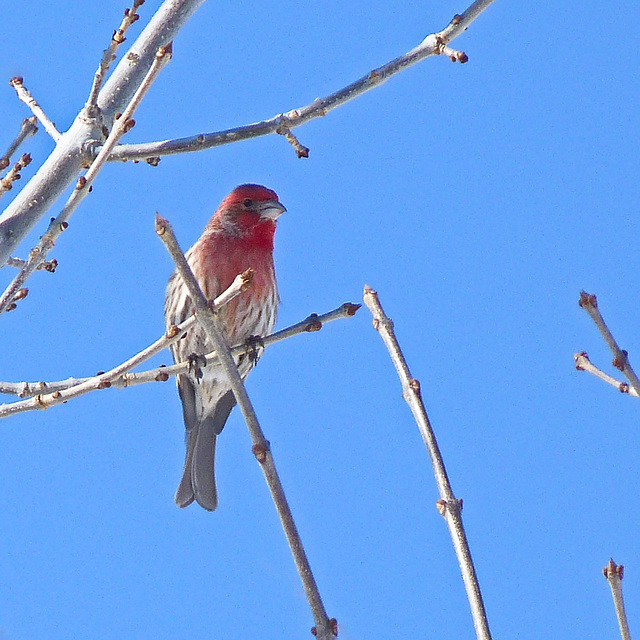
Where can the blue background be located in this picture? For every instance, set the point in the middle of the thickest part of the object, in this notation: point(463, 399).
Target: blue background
point(478, 199)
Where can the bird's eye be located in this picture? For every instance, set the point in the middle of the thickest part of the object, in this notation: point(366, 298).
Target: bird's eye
point(248, 203)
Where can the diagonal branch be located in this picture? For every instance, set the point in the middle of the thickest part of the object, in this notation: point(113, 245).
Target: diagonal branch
point(434, 44)
point(589, 303)
point(325, 629)
point(64, 163)
point(48, 392)
point(36, 109)
point(584, 364)
point(60, 393)
point(109, 55)
point(448, 505)
point(124, 124)
point(6, 183)
point(28, 127)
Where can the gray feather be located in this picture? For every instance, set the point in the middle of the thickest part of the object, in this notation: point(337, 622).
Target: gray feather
point(198, 480)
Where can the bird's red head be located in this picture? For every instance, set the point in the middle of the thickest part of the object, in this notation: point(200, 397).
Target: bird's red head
point(249, 213)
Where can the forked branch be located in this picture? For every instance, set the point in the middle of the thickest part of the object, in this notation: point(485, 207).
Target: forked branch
point(42, 395)
point(434, 44)
point(122, 125)
point(621, 362)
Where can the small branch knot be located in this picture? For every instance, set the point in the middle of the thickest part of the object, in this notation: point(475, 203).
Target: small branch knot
point(172, 331)
point(621, 360)
point(313, 324)
point(260, 451)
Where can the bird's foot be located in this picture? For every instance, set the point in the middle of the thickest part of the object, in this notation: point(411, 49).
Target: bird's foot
point(196, 362)
point(255, 346)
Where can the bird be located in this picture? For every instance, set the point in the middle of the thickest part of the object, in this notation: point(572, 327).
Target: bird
point(239, 236)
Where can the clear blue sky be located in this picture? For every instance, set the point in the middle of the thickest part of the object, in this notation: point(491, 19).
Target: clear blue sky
point(478, 199)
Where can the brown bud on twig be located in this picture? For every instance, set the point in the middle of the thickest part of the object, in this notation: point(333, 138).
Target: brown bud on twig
point(260, 452)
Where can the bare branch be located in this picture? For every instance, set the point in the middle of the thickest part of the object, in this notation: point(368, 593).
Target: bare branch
point(434, 44)
point(109, 55)
point(58, 393)
point(36, 109)
point(311, 324)
point(28, 127)
point(584, 364)
point(324, 629)
point(449, 506)
point(122, 125)
point(49, 393)
point(47, 265)
point(589, 303)
point(614, 574)
point(300, 149)
point(6, 183)
point(76, 145)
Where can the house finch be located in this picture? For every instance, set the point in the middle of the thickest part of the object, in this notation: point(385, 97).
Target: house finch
point(239, 236)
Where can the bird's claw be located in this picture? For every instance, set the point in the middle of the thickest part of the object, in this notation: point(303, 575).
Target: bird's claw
point(196, 362)
point(255, 344)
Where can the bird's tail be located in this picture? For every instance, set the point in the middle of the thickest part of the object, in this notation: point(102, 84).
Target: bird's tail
point(198, 478)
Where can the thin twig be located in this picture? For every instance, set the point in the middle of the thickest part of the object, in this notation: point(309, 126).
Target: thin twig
point(6, 183)
point(434, 44)
point(584, 364)
point(311, 324)
point(83, 186)
point(589, 303)
point(36, 109)
point(76, 147)
point(324, 629)
point(28, 127)
point(47, 265)
point(108, 56)
point(105, 380)
point(448, 505)
point(614, 574)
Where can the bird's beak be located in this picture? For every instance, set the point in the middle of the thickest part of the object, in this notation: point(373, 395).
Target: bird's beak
point(271, 209)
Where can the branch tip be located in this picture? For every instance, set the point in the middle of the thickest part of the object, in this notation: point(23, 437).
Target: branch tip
point(161, 224)
point(247, 277)
point(588, 300)
point(581, 359)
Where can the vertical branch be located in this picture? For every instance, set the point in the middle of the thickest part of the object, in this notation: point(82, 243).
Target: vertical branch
point(325, 629)
point(614, 573)
point(448, 505)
